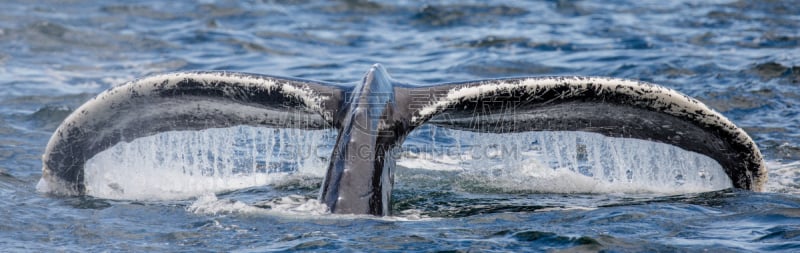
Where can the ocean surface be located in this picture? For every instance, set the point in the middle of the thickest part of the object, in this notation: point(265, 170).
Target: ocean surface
point(247, 189)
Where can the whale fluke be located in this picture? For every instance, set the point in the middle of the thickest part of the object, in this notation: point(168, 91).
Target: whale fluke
point(609, 106)
point(374, 116)
point(182, 101)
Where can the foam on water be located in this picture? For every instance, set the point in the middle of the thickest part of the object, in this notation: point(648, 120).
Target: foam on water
point(179, 165)
point(289, 205)
point(784, 177)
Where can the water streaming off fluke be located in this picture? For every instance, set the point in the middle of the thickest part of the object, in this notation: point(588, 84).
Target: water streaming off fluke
point(185, 164)
point(179, 165)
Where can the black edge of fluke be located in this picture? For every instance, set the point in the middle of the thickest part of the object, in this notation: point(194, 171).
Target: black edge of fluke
point(378, 113)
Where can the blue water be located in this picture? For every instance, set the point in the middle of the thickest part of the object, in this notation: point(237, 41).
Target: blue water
point(740, 57)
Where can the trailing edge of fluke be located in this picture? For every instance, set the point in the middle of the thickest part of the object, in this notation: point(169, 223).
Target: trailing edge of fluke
point(378, 112)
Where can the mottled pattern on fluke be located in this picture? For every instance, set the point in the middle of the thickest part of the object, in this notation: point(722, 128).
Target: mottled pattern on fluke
point(377, 114)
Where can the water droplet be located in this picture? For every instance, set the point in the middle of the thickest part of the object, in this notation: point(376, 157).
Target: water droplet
point(679, 180)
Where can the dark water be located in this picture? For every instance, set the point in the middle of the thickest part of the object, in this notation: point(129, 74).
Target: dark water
point(740, 57)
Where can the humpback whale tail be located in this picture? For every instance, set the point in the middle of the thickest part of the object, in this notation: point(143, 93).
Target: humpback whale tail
point(374, 116)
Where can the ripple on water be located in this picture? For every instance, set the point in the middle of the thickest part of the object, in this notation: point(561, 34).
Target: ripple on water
point(549, 239)
point(462, 14)
point(772, 70)
point(740, 57)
